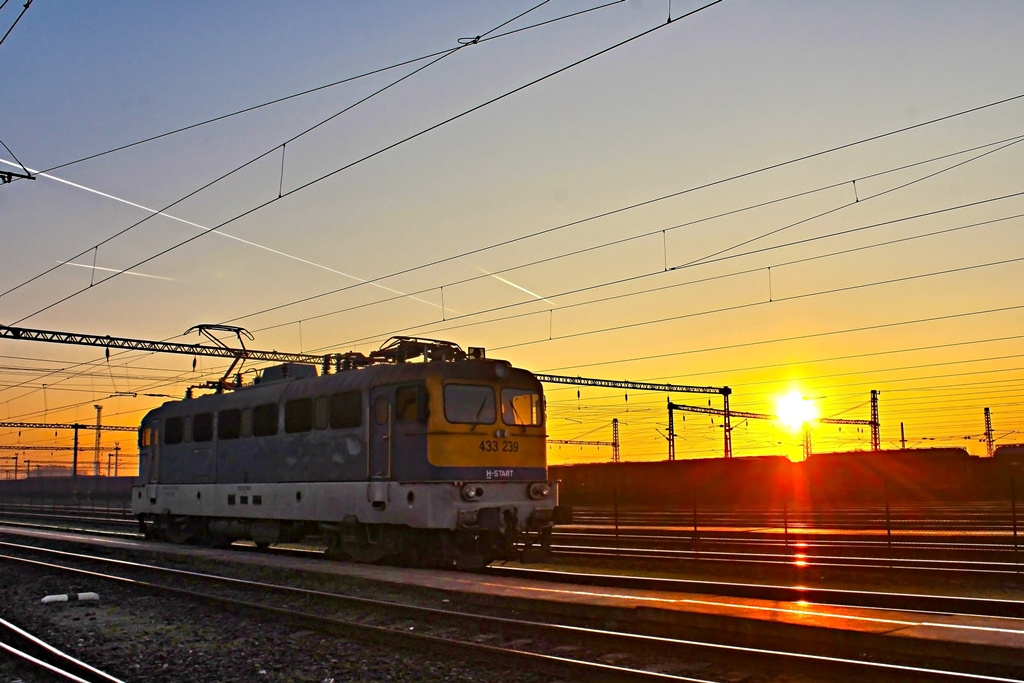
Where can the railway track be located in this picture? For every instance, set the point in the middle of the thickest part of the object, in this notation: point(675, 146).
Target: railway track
point(579, 651)
point(987, 547)
point(914, 602)
point(970, 562)
point(37, 655)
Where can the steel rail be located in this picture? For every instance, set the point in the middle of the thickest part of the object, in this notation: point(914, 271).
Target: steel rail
point(836, 597)
point(376, 635)
point(918, 548)
point(512, 657)
point(51, 659)
point(951, 548)
point(809, 563)
point(704, 548)
point(85, 518)
point(961, 605)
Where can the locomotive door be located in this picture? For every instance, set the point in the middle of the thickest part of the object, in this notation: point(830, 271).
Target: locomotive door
point(381, 432)
point(151, 452)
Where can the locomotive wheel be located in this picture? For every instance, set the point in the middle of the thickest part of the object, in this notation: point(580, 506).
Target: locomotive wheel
point(179, 530)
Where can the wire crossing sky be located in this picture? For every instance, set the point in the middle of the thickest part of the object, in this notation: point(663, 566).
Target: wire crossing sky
point(502, 197)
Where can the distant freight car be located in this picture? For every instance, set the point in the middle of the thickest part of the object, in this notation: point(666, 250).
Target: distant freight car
point(918, 474)
point(679, 483)
point(1010, 459)
point(434, 463)
point(856, 477)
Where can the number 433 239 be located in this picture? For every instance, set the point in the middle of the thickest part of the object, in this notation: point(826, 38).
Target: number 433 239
point(496, 446)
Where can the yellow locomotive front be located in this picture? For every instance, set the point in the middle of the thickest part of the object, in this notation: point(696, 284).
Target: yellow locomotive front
point(491, 428)
point(486, 440)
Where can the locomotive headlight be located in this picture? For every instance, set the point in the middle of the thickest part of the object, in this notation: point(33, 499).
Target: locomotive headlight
point(472, 492)
point(539, 490)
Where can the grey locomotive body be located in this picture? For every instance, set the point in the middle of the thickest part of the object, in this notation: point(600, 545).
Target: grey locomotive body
point(439, 463)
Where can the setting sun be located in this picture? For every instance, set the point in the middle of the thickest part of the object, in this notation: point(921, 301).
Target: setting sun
point(794, 410)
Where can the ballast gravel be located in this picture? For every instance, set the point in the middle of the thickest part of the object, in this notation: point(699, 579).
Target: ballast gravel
point(137, 636)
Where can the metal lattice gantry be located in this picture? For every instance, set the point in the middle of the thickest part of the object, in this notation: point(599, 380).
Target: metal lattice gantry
point(65, 425)
point(219, 349)
point(724, 392)
point(75, 426)
point(726, 414)
point(26, 334)
point(614, 443)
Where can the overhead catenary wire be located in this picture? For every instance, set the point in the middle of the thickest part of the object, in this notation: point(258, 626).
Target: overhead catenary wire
point(453, 118)
point(16, 20)
point(648, 202)
point(162, 381)
point(449, 327)
point(737, 307)
point(282, 145)
point(28, 174)
point(655, 273)
point(862, 383)
point(660, 231)
point(326, 86)
point(710, 258)
point(974, 390)
point(360, 160)
point(858, 329)
point(846, 145)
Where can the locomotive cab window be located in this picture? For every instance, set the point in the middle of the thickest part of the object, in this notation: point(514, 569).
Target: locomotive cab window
point(298, 415)
point(410, 404)
point(264, 420)
point(520, 407)
point(174, 430)
point(229, 424)
point(469, 404)
point(202, 427)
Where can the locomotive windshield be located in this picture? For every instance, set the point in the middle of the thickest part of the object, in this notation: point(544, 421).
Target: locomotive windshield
point(469, 403)
point(520, 407)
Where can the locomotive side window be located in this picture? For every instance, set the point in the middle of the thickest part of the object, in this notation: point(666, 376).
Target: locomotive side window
point(298, 415)
point(407, 404)
point(520, 407)
point(469, 403)
point(247, 422)
point(188, 429)
point(229, 424)
point(346, 410)
point(174, 430)
point(264, 420)
point(202, 427)
point(322, 413)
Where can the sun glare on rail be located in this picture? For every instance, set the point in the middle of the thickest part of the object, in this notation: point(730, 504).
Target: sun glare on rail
point(794, 410)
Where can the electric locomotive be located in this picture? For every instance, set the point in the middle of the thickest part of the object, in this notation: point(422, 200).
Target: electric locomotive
point(436, 463)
